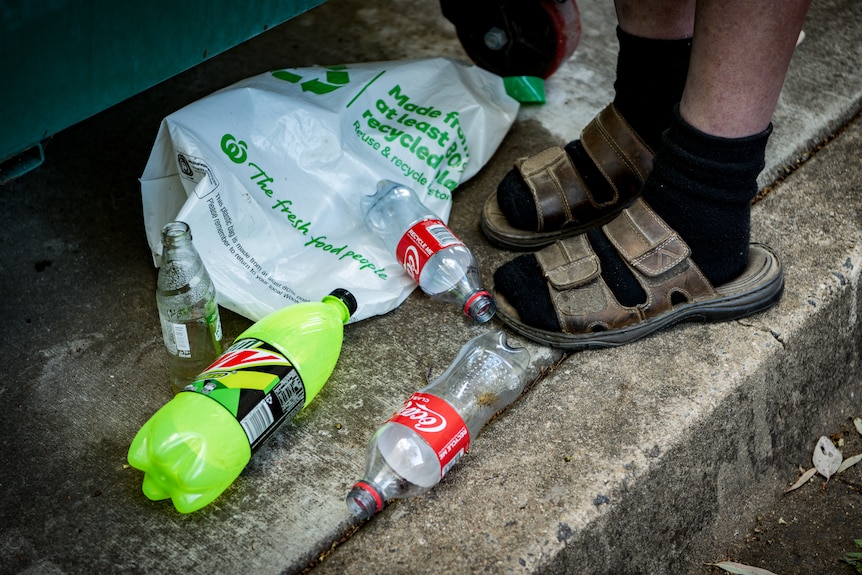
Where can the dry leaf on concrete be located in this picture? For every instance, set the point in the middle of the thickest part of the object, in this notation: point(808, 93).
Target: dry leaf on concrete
point(802, 480)
point(740, 569)
point(849, 462)
point(826, 458)
point(858, 423)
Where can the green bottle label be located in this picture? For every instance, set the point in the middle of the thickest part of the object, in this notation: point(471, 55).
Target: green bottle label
point(256, 384)
point(214, 323)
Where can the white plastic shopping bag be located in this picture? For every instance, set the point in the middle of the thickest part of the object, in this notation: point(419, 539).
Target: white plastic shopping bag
point(269, 173)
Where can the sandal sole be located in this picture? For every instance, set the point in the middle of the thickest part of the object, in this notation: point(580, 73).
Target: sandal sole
point(759, 287)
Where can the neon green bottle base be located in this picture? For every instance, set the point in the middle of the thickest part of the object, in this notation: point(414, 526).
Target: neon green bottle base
point(190, 450)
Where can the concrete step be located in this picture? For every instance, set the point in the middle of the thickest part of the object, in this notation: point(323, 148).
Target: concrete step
point(649, 458)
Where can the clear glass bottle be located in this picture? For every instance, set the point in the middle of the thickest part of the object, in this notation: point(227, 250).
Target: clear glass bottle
point(186, 299)
point(410, 453)
point(440, 263)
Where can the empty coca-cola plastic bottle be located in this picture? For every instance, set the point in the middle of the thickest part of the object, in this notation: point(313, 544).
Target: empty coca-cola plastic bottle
point(425, 246)
point(429, 433)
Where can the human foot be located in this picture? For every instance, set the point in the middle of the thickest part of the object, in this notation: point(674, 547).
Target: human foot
point(559, 296)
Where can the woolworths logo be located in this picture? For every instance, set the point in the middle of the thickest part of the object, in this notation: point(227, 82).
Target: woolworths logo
point(335, 77)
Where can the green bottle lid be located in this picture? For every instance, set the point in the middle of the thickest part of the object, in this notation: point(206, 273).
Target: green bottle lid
point(525, 89)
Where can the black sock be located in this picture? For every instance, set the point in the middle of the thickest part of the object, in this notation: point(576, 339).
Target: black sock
point(702, 187)
point(650, 79)
point(523, 285)
point(650, 76)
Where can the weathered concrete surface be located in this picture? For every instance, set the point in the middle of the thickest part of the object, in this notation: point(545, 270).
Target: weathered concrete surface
point(618, 461)
point(646, 459)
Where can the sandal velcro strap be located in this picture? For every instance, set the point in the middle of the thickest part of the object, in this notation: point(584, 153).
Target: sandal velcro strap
point(569, 263)
point(617, 150)
point(560, 195)
point(645, 241)
point(659, 258)
point(554, 184)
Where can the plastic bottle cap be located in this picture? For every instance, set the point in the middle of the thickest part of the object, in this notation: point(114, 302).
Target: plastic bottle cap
point(346, 297)
point(525, 89)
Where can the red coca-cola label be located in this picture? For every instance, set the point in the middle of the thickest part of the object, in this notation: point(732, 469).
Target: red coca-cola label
point(422, 241)
point(439, 424)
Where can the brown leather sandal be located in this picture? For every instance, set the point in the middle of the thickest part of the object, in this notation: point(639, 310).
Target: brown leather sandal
point(590, 316)
point(564, 205)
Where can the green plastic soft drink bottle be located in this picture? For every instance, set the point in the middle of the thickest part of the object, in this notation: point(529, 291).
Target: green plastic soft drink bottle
point(196, 445)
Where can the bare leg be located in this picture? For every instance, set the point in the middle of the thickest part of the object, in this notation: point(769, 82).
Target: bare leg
point(657, 19)
point(740, 54)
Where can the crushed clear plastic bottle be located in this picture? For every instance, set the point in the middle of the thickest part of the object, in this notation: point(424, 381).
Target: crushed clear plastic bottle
point(441, 264)
point(189, 314)
point(428, 434)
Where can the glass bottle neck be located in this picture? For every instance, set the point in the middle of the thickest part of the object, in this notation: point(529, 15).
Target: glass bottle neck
point(176, 234)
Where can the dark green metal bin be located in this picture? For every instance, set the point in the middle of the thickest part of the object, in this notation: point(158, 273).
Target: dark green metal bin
point(62, 61)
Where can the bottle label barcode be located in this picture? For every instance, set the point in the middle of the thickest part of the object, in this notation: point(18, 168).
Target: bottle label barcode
point(181, 339)
point(257, 384)
point(421, 242)
point(442, 234)
point(257, 421)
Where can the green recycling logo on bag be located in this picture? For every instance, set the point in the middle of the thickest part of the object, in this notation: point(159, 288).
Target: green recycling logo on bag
point(336, 77)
